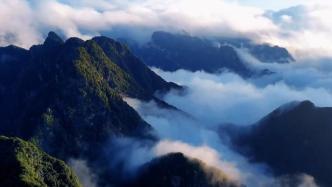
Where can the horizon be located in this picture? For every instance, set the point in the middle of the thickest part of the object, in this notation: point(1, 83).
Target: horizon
point(300, 26)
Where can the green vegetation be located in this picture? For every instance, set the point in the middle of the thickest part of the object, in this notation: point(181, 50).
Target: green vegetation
point(90, 74)
point(111, 72)
point(67, 99)
point(23, 164)
point(48, 117)
point(69, 93)
point(140, 74)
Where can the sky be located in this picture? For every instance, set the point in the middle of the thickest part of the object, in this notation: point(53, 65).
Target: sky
point(271, 5)
point(300, 26)
point(278, 4)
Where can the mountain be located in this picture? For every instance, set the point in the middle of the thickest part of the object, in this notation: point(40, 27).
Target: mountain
point(177, 170)
point(171, 52)
point(121, 55)
point(23, 164)
point(11, 63)
point(66, 96)
point(68, 85)
point(295, 138)
point(12, 54)
point(266, 53)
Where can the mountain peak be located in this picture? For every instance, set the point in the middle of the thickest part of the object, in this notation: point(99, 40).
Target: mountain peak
point(306, 104)
point(294, 106)
point(175, 169)
point(163, 52)
point(295, 138)
point(53, 39)
point(74, 41)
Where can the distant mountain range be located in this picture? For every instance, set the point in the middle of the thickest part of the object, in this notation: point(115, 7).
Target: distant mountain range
point(295, 138)
point(265, 53)
point(171, 52)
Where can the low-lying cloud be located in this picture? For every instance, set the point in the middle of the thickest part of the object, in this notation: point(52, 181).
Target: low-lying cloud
point(83, 172)
point(210, 156)
point(195, 139)
point(228, 98)
point(215, 99)
point(301, 180)
point(180, 133)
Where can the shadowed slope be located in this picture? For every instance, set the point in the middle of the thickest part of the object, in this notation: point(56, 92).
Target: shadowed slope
point(295, 138)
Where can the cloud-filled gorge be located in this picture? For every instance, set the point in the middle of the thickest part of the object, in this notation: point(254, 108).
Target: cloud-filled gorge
point(211, 100)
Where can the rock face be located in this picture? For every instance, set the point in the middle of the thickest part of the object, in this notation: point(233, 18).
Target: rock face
point(171, 52)
point(295, 138)
point(23, 164)
point(266, 53)
point(176, 170)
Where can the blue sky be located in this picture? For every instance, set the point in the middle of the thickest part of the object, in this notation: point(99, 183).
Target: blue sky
point(271, 4)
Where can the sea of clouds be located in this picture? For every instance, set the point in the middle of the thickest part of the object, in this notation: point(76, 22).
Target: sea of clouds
point(210, 100)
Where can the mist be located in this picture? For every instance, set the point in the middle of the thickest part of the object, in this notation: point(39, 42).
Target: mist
point(211, 100)
point(83, 172)
point(195, 139)
point(228, 98)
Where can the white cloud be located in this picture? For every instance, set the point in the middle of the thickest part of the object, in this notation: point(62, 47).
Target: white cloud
point(307, 181)
point(287, 18)
point(195, 139)
point(308, 34)
point(213, 99)
point(17, 25)
point(204, 153)
point(300, 180)
point(227, 98)
point(79, 18)
point(305, 31)
point(83, 172)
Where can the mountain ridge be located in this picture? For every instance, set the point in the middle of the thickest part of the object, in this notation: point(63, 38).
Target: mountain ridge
point(170, 52)
point(292, 139)
point(66, 96)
